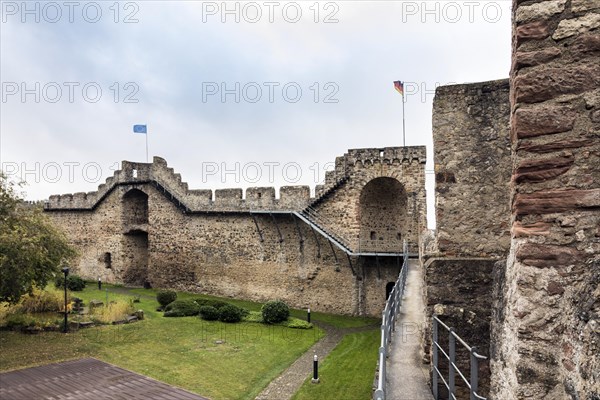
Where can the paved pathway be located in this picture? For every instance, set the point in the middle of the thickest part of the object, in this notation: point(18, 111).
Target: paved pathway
point(85, 379)
point(408, 377)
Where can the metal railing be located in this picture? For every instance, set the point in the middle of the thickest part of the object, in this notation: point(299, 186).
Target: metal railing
point(453, 369)
point(327, 225)
point(392, 306)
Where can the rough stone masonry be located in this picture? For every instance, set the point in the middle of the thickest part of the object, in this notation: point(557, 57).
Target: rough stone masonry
point(547, 325)
point(337, 252)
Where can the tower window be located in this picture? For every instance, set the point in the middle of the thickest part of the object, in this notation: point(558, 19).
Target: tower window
point(107, 260)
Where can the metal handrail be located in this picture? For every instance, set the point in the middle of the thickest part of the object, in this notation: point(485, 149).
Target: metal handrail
point(473, 381)
point(388, 322)
point(326, 224)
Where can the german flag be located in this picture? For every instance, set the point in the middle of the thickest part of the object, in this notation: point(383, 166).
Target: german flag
point(399, 86)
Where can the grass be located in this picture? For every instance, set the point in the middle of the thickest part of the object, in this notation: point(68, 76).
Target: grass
point(339, 321)
point(184, 352)
point(178, 351)
point(348, 371)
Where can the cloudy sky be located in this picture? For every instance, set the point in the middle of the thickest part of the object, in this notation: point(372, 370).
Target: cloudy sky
point(234, 94)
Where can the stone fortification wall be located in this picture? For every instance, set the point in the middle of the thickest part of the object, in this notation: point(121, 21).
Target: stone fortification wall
point(548, 307)
point(144, 225)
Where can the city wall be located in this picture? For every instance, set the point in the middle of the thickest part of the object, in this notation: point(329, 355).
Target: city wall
point(145, 226)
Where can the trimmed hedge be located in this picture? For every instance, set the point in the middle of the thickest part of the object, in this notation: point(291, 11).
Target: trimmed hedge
point(209, 313)
point(74, 283)
point(165, 297)
point(230, 313)
point(182, 308)
point(275, 311)
point(210, 302)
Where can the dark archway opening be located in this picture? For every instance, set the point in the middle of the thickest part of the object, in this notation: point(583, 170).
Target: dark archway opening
point(134, 242)
point(383, 215)
point(135, 257)
point(135, 208)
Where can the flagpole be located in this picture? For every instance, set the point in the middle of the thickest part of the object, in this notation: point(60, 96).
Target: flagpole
point(403, 123)
point(146, 147)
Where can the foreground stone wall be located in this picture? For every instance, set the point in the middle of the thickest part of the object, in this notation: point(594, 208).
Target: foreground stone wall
point(548, 305)
point(472, 155)
point(472, 174)
point(145, 226)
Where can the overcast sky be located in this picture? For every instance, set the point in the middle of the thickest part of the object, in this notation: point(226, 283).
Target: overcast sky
point(234, 94)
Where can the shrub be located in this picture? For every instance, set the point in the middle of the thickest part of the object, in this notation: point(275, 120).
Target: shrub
point(182, 308)
point(165, 297)
point(5, 311)
point(297, 323)
point(114, 311)
point(209, 313)
point(275, 311)
point(43, 301)
point(74, 283)
point(210, 302)
point(20, 321)
point(230, 313)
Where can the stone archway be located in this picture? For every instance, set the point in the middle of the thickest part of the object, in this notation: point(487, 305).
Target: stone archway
point(384, 222)
point(134, 209)
point(134, 241)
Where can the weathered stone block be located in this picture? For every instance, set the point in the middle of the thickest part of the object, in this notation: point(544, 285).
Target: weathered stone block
point(570, 27)
point(545, 83)
point(542, 10)
point(586, 45)
point(551, 147)
point(532, 58)
point(532, 31)
point(542, 169)
point(552, 201)
point(584, 5)
point(544, 256)
point(537, 121)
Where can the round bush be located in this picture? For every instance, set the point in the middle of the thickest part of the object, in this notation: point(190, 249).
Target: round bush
point(74, 283)
point(275, 311)
point(182, 308)
point(165, 297)
point(230, 313)
point(210, 302)
point(209, 313)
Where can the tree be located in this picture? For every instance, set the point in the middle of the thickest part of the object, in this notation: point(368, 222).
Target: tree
point(31, 249)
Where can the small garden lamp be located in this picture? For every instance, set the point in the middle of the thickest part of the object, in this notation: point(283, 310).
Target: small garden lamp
point(65, 271)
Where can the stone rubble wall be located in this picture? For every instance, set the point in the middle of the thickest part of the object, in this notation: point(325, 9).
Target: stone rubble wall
point(548, 306)
point(472, 174)
point(154, 229)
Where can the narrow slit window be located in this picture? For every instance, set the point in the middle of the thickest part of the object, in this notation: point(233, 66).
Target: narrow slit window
point(108, 260)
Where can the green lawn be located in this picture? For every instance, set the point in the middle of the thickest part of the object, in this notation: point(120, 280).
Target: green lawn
point(339, 321)
point(347, 372)
point(182, 351)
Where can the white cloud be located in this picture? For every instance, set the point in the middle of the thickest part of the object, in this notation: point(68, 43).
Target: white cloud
point(170, 55)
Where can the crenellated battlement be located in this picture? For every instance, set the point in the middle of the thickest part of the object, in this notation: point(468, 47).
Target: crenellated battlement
point(165, 179)
point(292, 198)
point(355, 159)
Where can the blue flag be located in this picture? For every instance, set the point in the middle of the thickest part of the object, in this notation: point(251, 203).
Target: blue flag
point(140, 129)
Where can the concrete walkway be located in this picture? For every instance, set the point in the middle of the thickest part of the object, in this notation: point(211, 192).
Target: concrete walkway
point(408, 377)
